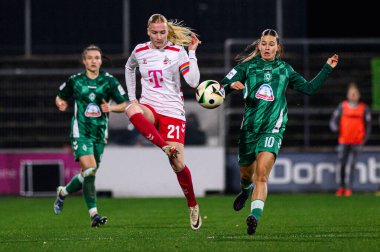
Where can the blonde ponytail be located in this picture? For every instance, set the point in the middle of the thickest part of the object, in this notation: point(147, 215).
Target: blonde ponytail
point(177, 32)
point(249, 53)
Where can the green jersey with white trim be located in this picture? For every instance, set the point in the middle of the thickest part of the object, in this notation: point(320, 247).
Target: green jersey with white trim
point(264, 93)
point(89, 121)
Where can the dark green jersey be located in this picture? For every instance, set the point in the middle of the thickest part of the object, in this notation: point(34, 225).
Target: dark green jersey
point(264, 93)
point(89, 121)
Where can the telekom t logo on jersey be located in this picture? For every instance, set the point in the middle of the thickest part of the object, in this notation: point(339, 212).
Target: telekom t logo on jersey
point(156, 76)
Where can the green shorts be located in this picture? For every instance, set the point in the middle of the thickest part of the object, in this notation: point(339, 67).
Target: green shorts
point(251, 143)
point(84, 146)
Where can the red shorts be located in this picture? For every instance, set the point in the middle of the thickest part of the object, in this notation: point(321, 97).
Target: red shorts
point(170, 128)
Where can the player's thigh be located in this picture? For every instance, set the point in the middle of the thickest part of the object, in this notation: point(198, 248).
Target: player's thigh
point(98, 152)
point(172, 129)
point(265, 161)
point(247, 172)
point(83, 150)
point(148, 113)
point(247, 149)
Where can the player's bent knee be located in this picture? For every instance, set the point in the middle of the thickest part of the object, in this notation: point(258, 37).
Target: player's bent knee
point(89, 172)
point(262, 179)
point(133, 109)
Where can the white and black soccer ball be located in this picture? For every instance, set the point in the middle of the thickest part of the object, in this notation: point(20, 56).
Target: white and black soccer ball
point(210, 94)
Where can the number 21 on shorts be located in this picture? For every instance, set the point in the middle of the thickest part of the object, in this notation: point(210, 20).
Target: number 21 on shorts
point(173, 132)
point(176, 132)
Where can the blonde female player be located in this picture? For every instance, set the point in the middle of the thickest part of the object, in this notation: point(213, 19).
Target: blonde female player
point(160, 114)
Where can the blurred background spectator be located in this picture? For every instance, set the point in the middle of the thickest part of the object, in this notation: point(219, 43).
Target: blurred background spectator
point(194, 134)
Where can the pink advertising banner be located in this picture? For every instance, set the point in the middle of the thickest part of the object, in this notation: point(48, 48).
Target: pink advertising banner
point(11, 167)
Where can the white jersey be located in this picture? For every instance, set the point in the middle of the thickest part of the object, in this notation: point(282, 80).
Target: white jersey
point(160, 77)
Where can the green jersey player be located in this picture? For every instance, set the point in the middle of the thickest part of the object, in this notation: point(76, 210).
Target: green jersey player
point(263, 79)
point(91, 91)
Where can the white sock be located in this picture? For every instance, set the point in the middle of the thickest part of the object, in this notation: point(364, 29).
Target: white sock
point(63, 192)
point(93, 211)
point(257, 204)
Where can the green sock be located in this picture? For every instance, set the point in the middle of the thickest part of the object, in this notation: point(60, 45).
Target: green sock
point(75, 184)
point(257, 207)
point(257, 213)
point(89, 191)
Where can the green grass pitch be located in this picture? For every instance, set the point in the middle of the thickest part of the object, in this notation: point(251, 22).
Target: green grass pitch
point(296, 222)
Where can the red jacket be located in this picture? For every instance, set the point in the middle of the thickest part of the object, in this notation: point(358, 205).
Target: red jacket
point(352, 128)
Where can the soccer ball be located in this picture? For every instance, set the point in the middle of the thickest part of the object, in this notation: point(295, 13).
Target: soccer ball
point(210, 94)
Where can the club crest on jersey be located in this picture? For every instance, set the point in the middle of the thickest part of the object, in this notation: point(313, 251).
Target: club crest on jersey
point(92, 97)
point(144, 61)
point(265, 93)
point(166, 60)
point(267, 76)
point(92, 110)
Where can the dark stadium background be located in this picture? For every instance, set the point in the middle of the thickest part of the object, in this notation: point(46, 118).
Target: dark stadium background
point(61, 29)
point(55, 23)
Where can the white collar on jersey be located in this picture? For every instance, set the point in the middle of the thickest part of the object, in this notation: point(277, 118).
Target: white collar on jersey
point(168, 43)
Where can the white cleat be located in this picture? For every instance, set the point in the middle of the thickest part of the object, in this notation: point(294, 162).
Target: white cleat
point(195, 217)
point(58, 203)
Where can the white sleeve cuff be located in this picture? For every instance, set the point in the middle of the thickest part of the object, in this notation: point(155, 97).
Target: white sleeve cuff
point(192, 54)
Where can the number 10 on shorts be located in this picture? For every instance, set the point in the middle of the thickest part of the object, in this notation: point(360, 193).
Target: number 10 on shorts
point(269, 141)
